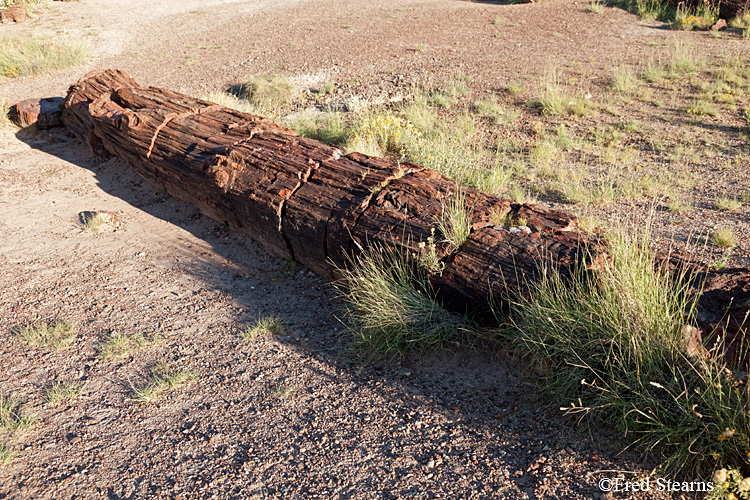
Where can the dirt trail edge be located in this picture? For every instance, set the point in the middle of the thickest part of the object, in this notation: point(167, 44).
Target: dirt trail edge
point(305, 200)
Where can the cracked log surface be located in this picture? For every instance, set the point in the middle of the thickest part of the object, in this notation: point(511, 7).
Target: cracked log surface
point(304, 199)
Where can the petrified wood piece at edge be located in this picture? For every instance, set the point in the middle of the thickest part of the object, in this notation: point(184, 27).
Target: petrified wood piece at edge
point(304, 199)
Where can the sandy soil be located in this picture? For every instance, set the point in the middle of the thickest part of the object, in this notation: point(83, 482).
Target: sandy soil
point(299, 415)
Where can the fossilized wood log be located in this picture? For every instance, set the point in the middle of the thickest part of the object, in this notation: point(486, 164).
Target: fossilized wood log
point(44, 113)
point(306, 200)
point(302, 198)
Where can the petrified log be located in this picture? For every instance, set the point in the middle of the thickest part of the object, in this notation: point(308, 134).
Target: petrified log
point(304, 199)
point(44, 113)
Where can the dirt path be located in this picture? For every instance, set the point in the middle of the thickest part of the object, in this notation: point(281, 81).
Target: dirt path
point(296, 415)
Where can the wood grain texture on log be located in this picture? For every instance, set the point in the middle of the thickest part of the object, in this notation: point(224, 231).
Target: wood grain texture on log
point(301, 198)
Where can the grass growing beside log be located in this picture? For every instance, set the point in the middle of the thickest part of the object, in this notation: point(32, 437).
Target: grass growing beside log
point(615, 345)
point(391, 308)
point(39, 55)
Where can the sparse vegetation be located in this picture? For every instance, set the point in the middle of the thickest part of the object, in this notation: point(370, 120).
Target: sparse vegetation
point(269, 94)
point(727, 204)
point(162, 379)
point(61, 391)
point(57, 335)
point(391, 309)
point(612, 342)
point(118, 344)
point(11, 420)
point(270, 325)
point(24, 56)
point(724, 237)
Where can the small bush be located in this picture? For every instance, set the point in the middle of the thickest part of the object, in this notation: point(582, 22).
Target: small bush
point(390, 307)
point(36, 56)
point(57, 335)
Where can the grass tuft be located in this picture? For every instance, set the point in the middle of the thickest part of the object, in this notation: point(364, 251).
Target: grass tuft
point(616, 345)
point(7, 453)
point(21, 57)
point(455, 221)
point(119, 344)
point(11, 420)
point(162, 379)
point(390, 307)
point(727, 204)
point(724, 237)
point(270, 325)
point(270, 94)
point(58, 335)
point(231, 101)
point(61, 391)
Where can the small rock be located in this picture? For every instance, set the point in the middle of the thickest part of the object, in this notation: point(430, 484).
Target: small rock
point(719, 25)
point(431, 464)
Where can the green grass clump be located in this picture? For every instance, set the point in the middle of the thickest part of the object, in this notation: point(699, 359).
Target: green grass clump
point(270, 94)
point(118, 344)
point(625, 80)
point(7, 453)
point(391, 309)
point(57, 335)
point(21, 57)
point(270, 325)
point(455, 221)
point(555, 100)
point(728, 204)
point(231, 101)
point(724, 237)
point(11, 420)
point(614, 343)
point(326, 127)
point(162, 379)
point(61, 391)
